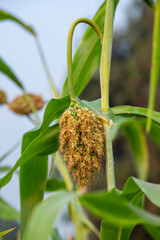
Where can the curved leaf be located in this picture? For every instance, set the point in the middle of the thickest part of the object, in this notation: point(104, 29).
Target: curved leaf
point(138, 144)
point(8, 212)
point(33, 178)
point(44, 215)
point(5, 232)
point(95, 106)
point(55, 234)
point(115, 210)
point(130, 111)
point(46, 140)
point(46, 143)
point(4, 68)
point(152, 191)
point(9, 151)
point(87, 57)
point(54, 110)
point(7, 16)
point(124, 111)
point(84, 220)
point(55, 184)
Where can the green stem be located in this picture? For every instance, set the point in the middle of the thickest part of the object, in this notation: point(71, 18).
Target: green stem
point(105, 76)
point(69, 50)
point(109, 158)
point(155, 65)
point(69, 185)
point(44, 62)
point(63, 171)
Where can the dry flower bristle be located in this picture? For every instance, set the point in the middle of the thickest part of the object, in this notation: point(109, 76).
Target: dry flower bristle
point(3, 97)
point(81, 143)
point(21, 104)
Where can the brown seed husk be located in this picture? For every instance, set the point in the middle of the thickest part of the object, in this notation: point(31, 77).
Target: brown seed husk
point(20, 105)
point(81, 143)
point(3, 97)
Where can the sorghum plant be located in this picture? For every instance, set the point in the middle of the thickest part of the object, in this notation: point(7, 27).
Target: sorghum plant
point(81, 139)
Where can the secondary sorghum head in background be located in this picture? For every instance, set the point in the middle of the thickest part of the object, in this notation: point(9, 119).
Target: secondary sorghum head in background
point(81, 143)
point(3, 98)
point(21, 104)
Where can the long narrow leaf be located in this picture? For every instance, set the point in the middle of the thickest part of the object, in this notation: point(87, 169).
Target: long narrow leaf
point(87, 57)
point(152, 191)
point(46, 143)
point(155, 65)
point(138, 144)
point(5, 232)
point(55, 184)
point(118, 212)
point(9, 151)
point(7, 211)
point(130, 111)
point(4, 68)
point(7, 16)
point(44, 216)
point(33, 178)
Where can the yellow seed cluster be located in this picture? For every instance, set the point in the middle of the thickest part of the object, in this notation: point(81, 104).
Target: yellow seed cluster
point(3, 98)
point(21, 105)
point(81, 143)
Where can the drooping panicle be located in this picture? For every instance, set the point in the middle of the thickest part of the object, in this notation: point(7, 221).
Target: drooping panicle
point(81, 143)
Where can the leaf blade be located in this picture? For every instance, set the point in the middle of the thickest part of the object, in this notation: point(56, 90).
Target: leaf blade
point(44, 212)
point(7, 212)
point(7, 16)
point(87, 57)
point(5, 69)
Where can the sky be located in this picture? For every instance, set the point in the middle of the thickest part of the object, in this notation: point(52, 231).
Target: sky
point(51, 20)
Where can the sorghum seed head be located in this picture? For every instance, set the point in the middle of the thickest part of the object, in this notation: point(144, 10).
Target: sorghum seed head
point(81, 143)
point(3, 98)
point(21, 105)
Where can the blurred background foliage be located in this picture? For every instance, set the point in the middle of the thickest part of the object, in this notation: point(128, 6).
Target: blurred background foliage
point(129, 85)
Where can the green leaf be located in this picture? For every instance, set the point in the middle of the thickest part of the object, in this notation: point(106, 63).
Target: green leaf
point(95, 106)
point(4, 168)
point(134, 131)
point(45, 143)
point(115, 210)
point(9, 151)
point(7, 16)
point(55, 234)
point(124, 111)
point(154, 134)
point(152, 191)
point(138, 144)
point(150, 3)
point(55, 184)
point(4, 68)
point(7, 212)
point(44, 215)
point(6, 231)
point(130, 111)
point(113, 233)
point(33, 178)
point(87, 57)
point(155, 64)
point(84, 220)
point(46, 139)
point(54, 110)
point(133, 195)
